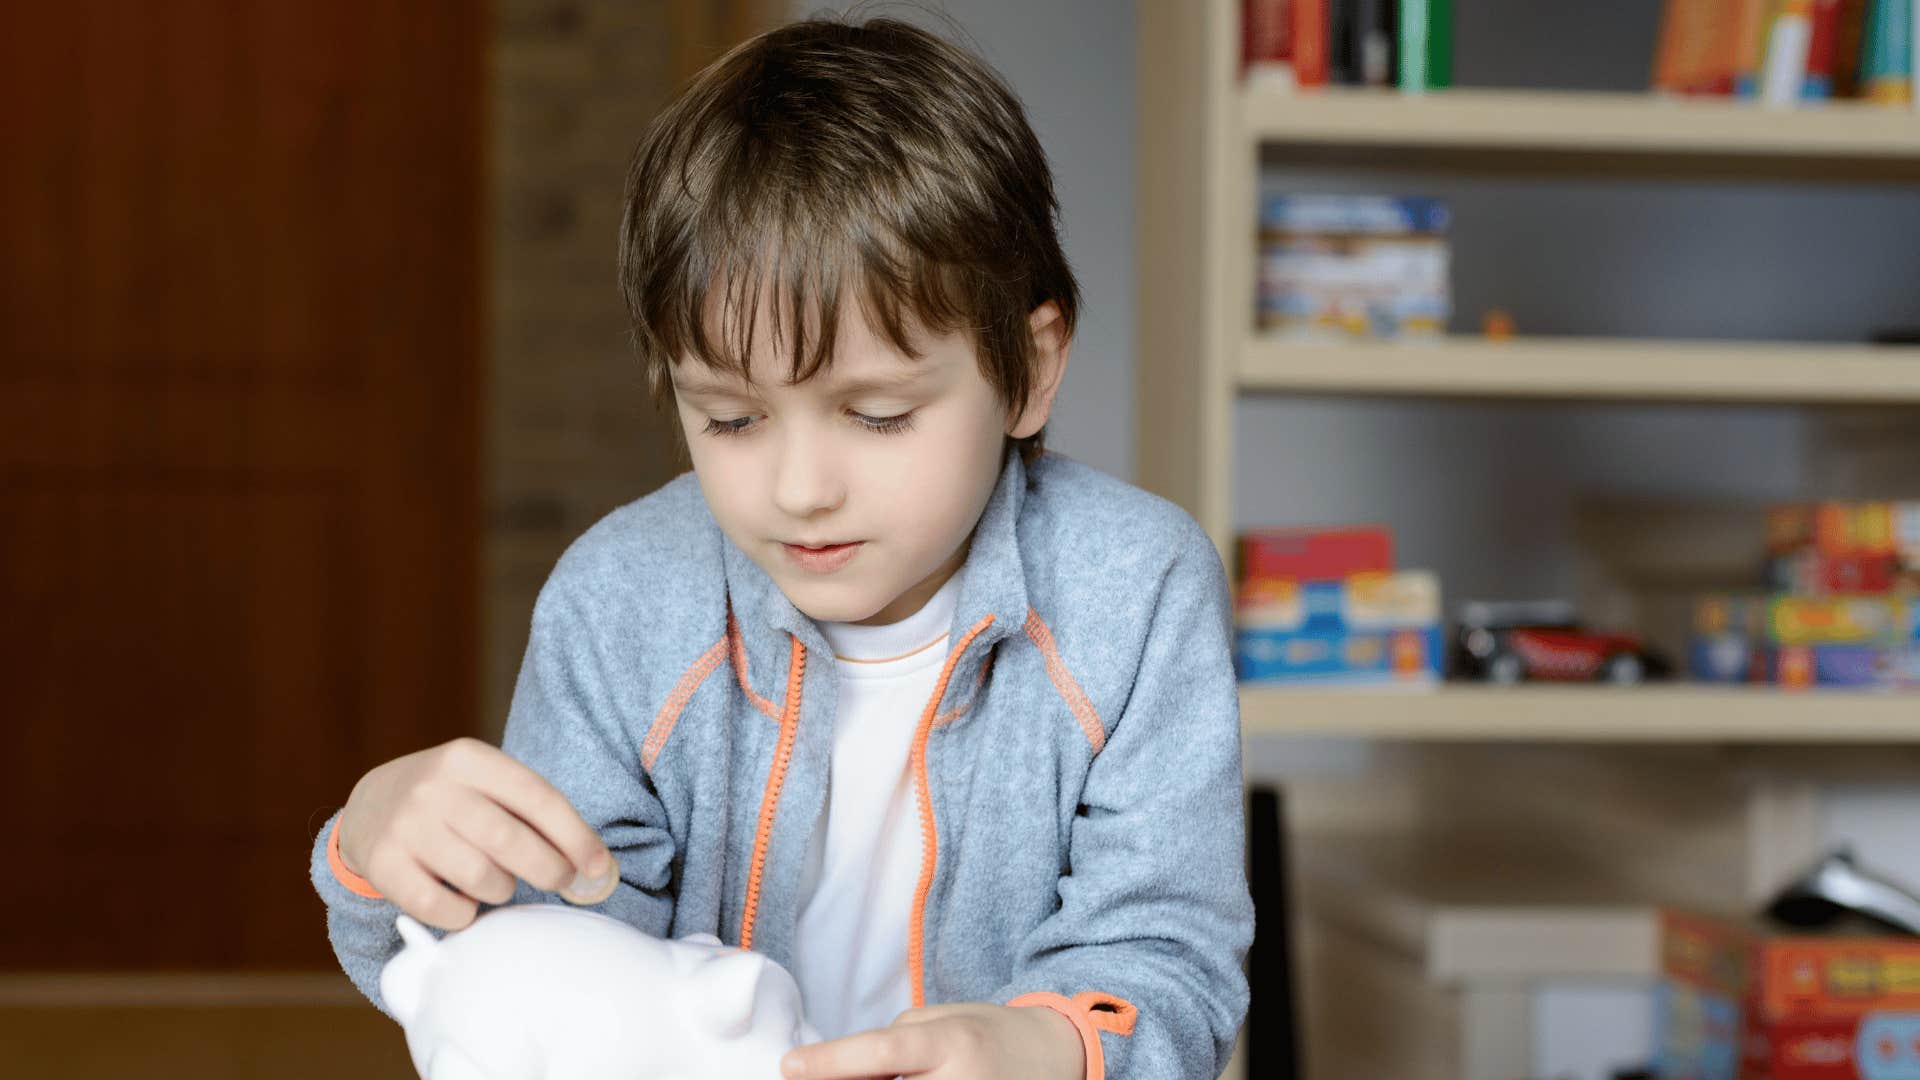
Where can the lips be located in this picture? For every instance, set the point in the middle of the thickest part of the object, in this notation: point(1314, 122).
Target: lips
point(823, 559)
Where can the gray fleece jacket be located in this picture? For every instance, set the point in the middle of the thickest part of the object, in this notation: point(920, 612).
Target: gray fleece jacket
point(1077, 770)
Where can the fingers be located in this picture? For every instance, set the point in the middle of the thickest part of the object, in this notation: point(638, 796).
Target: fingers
point(527, 793)
point(419, 893)
point(513, 846)
point(465, 867)
point(891, 1051)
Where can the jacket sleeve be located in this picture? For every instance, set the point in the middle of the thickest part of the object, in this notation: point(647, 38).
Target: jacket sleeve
point(1145, 952)
point(569, 723)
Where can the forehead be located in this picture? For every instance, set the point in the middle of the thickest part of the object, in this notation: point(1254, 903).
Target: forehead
point(861, 356)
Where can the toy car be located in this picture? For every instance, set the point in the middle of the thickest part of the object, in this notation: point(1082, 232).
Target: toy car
point(1541, 640)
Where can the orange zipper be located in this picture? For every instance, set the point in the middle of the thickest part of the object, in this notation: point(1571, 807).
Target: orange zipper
point(776, 776)
point(929, 836)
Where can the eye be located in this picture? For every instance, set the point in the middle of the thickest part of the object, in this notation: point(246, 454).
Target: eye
point(728, 427)
point(885, 425)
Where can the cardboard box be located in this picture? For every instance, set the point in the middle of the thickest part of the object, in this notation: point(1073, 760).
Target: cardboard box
point(1739, 1003)
point(1339, 267)
point(1858, 642)
point(1726, 646)
point(1314, 554)
point(1367, 629)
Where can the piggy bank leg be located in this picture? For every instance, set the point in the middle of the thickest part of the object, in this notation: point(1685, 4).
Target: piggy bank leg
point(451, 1064)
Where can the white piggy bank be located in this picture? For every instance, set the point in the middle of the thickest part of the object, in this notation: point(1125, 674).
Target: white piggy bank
point(544, 992)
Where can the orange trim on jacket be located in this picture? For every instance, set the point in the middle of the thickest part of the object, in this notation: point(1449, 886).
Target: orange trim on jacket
point(682, 693)
point(355, 884)
point(1064, 682)
point(1092, 1012)
point(929, 837)
point(738, 647)
point(776, 776)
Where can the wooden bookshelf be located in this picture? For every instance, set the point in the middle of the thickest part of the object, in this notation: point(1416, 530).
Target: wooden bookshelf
point(1588, 368)
point(1574, 754)
point(1680, 713)
point(1581, 122)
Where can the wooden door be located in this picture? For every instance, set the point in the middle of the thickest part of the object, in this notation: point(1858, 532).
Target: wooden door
point(240, 327)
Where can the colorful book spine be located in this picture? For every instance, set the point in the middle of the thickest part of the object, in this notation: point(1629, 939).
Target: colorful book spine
point(1340, 43)
point(1375, 29)
point(1697, 47)
point(1720, 51)
point(1788, 41)
point(1752, 20)
point(1266, 46)
point(1666, 54)
point(1414, 29)
point(1887, 61)
point(1846, 48)
point(1822, 50)
point(1310, 42)
point(1439, 44)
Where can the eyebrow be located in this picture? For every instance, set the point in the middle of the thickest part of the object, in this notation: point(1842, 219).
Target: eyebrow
point(850, 387)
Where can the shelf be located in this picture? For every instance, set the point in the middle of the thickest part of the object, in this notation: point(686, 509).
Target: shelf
point(1463, 918)
point(1656, 714)
point(1626, 369)
point(1586, 122)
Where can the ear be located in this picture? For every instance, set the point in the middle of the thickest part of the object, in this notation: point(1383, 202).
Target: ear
point(403, 980)
point(721, 993)
point(1051, 344)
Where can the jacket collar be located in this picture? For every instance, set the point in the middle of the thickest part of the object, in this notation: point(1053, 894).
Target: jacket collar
point(993, 582)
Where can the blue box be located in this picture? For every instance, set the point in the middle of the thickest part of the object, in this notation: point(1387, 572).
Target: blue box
point(1369, 629)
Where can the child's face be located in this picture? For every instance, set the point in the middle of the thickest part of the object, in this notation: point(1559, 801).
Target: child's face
point(891, 456)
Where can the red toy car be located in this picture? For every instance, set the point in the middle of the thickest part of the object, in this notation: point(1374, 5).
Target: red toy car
point(1515, 642)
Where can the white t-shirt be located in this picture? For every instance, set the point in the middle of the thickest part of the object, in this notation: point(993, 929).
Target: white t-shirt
point(863, 861)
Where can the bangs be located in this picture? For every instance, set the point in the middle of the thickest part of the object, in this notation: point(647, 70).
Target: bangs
point(797, 273)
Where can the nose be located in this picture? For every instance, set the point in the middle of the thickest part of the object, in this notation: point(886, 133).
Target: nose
point(807, 479)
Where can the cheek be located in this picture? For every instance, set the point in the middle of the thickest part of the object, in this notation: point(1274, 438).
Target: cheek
point(727, 481)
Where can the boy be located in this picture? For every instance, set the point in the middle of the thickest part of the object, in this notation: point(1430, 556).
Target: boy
point(944, 724)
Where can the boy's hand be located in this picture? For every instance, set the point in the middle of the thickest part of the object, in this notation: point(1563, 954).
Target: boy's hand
point(950, 1042)
point(466, 813)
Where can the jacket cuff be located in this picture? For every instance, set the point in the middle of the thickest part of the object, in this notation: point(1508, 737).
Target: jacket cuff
point(355, 884)
point(1091, 1013)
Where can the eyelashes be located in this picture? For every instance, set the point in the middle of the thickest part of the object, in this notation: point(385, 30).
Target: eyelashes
point(885, 425)
point(879, 425)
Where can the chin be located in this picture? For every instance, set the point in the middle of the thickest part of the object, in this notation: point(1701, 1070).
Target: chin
point(832, 608)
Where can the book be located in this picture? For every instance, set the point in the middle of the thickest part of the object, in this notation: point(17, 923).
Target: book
point(1886, 60)
point(1413, 42)
point(1439, 44)
point(1752, 19)
point(1310, 42)
point(1852, 24)
point(1822, 50)
point(1371, 38)
point(1788, 38)
point(1266, 41)
point(1696, 52)
point(1340, 43)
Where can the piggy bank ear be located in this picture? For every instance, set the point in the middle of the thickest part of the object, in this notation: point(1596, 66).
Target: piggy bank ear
point(721, 993)
point(701, 939)
point(403, 980)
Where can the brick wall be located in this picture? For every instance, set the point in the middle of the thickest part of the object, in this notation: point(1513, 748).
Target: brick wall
point(571, 433)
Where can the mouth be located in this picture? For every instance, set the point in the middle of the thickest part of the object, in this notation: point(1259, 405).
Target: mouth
point(823, 558)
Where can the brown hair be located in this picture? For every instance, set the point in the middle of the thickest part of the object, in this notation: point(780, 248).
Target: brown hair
point(826, 155)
